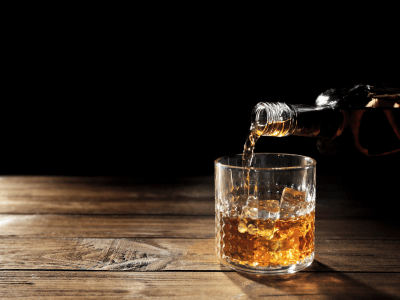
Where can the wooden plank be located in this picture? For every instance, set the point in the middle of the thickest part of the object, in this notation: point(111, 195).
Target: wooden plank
point(191, 196)
point(105, 187)
point(179, 254)
point(106, 226)
point(101, 226)
point(109, 254)
point(40, 180)
point(91, 195)
point(105, 205)
point(198, 285)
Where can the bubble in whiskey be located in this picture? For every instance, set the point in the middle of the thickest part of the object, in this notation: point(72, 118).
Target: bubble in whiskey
point(252, 229)
point(242, 228)
point(273, 245)
point(267, 229)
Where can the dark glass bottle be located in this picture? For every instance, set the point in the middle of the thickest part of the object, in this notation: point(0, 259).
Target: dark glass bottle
point(362, 118)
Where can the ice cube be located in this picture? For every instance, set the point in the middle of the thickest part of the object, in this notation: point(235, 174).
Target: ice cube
point(252, 201)
point(262, 209)
point(293, 203)
point(266, 212)
point(268, 209)
point(249, 213)
point(250, 210)
point(267, 229)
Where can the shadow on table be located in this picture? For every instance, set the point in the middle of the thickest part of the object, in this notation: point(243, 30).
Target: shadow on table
point(325, 282)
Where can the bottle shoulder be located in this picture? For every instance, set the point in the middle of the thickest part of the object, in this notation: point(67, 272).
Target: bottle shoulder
point(360, 96)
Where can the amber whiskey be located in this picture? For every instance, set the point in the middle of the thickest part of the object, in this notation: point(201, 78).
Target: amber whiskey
point(292, 241)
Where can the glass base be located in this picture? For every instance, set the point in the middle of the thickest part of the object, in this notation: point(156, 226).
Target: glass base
point(271, 270)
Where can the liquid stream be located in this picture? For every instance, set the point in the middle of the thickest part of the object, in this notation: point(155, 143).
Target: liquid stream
point(264, 242)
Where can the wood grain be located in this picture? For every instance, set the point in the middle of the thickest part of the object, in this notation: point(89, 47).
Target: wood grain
point(107, 226)
point(105, 187)
point(96, 237)
point(88, 195)
point(104, 226)
point(105, 205)
point(197, 285)
point(179, 254)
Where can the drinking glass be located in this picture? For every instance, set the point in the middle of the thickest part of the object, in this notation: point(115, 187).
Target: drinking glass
point(265, 221)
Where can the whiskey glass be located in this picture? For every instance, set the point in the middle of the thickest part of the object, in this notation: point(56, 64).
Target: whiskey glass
point(266, 224)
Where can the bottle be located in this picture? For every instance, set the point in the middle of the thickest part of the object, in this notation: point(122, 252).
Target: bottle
point(362, 118)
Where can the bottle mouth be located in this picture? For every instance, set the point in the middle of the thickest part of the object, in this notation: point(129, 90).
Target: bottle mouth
point(260, 114)
point(273, 119)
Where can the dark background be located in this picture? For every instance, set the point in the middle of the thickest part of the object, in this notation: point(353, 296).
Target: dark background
point(165, 104)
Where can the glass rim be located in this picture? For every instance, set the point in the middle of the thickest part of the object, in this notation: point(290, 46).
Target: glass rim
point(312, 164)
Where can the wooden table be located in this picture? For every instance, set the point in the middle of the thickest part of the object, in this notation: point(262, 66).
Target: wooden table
point(71, 237)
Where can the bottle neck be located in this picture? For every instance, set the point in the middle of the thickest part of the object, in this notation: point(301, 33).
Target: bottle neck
point(318, 121)
point(273, 119)
point(281, 119)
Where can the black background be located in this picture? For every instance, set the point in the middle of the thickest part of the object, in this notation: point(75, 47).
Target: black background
point(163, 105)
